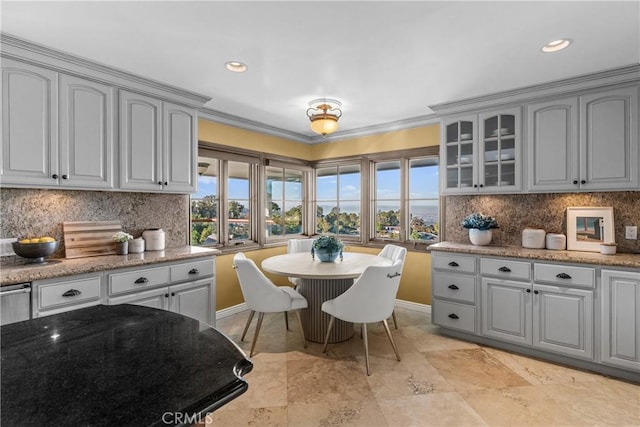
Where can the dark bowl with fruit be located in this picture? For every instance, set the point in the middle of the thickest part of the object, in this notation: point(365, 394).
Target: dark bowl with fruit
point(35, 252)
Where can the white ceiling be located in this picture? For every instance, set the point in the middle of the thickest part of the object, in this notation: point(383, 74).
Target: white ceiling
point(387, 61)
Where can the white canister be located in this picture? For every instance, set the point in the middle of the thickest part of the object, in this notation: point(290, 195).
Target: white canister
point(533, 238)
point(154, 239)
point(608, 248)
point(136, 246)
point(556, 241)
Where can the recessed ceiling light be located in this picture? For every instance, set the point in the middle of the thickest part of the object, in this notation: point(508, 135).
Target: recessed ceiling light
point(236, 66)
point(556, 45)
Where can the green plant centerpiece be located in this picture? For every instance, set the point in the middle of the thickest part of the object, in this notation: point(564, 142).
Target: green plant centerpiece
point(479, 226)
point(327, 248)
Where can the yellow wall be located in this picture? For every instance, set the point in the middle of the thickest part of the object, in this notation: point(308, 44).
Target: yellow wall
point(415, 285)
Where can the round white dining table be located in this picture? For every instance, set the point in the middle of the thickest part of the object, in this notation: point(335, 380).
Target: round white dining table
point(322, 281)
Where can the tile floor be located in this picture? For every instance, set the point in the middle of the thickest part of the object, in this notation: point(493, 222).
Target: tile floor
point(439, 382)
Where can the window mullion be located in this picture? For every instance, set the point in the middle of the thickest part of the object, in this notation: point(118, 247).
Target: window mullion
point(223, 214)
point(404, 199)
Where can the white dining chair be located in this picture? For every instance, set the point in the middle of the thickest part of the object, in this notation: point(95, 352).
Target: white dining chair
point(262, 296)
point(370, 299)
point(298, 246)
point(393, 253)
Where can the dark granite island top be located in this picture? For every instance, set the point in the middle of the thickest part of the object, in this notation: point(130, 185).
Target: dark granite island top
point(115, 366)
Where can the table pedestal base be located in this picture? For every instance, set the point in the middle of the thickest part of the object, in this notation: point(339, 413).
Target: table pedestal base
point(314, 320)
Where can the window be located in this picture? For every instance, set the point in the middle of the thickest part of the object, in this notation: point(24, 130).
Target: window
point(284, 202)
point(222, 209)
point(338, 200)
point(405, 202)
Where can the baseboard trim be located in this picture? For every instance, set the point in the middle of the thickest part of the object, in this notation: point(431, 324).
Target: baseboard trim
point(414, 306)
point(230, 311)
point(408, 305)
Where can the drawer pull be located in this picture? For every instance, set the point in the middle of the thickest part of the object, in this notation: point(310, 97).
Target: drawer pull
point(141, 280)
point(454, 264)
point(194, 271)
point(454, 287)
point(453, 316)
point(71, 293)
point(563, 276)
point(505, 269)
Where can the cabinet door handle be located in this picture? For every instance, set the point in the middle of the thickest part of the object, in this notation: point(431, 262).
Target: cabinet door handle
point(71, 293)
point(141, 280)
point(65, 176)
point(481, 185)
point(166, 295)
point(583, 182)
point(453, 316)
point(454, 287)
point(54, 176)
point(173, 294)
point(528, 291)
point(194, 271)
point(475, 185)
point(454, 264)
point(536, 292)
point(159, 182)
point(575, 182)
point(563, 276)
point(166, 183)
point(505, 269)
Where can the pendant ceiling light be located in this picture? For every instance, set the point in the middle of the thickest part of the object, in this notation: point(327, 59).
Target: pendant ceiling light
point(324, 114)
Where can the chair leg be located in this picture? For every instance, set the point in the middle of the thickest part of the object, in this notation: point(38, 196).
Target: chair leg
point(286, 320)
point(393, 343)
point(255, 336)
point(395, 321)
point(304, 341)
point(246, 327)
point(365, 341)
point(326, 338)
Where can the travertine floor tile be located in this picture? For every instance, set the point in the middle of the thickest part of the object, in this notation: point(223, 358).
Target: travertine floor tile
point(262, 417)
point(472, 369)
point(440, 381)
point(438, 409)
point(345, 413)
point(538, 371)
point(326, 380)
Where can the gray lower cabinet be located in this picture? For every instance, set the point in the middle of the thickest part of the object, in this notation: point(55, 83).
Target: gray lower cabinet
point(586, 313)
point(620, 323)
point(55, 296)
point(184, 287)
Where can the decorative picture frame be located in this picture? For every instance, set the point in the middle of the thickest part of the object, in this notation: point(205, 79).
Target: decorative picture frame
point(588, 228)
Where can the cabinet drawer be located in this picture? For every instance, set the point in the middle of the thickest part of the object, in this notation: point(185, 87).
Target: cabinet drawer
point(458, 263)
point(455, 287)
point(455, 316)
point(505, 268)
point(138, 279)
point(564, 275)
point(192, 270)
point(69, 292)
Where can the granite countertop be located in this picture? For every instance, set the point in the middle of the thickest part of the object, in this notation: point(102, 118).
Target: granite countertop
point(617, 260)
point(18, 272)
point(116, 365)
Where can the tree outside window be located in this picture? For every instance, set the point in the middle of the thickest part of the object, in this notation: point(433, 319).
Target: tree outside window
point(338, 200)
point(284, 199)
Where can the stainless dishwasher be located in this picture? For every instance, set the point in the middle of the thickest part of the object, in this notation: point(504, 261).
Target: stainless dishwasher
point(15, 303)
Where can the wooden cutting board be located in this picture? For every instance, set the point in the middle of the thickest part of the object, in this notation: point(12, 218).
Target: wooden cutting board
point(89, 238)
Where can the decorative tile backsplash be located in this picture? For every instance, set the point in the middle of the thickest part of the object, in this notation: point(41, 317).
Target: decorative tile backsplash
point(27, 212)
point(514, 212)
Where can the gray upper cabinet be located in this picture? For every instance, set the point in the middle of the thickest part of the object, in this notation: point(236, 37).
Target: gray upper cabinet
point(481, 153)
point(553, 147)
point(29, 125)
point(157, 145)
point(609, 140)
point(584, 143)
point(58, 130)
point(86, 134)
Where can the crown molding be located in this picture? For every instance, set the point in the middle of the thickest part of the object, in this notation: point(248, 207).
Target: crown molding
point(242, 123)
point(43, 56)
point(571, 85)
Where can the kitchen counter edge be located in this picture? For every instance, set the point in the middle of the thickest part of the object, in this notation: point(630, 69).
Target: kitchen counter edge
point(12, 273)
point(617, 260)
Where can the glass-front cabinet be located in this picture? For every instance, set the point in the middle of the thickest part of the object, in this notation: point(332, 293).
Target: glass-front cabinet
point(482, 153)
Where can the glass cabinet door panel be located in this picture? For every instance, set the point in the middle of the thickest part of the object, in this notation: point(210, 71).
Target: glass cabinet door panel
point(452, 155)
point(452, 132)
